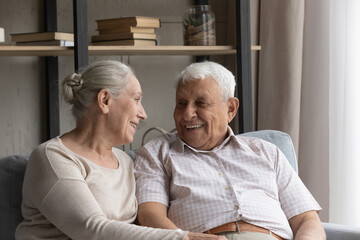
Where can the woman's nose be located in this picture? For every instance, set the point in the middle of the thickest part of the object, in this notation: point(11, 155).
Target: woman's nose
point(142, 114)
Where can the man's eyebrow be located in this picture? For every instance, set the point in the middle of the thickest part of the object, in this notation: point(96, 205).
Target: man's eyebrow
point(179, 95)
point(203, 97)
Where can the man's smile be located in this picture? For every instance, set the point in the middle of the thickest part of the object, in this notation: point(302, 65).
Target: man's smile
point(194, 126)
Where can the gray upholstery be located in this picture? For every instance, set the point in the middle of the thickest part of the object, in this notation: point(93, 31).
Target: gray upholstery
point(12, 170)
point(341, 232)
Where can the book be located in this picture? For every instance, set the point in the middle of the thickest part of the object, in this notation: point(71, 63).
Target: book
point(126, 29)
point(127, 42)
point(135, 21)
point(41, 36)
point(64, 43)
point(123, 36)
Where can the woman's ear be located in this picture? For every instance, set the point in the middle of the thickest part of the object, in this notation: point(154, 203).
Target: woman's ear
point(103, 99)
point(233, 105)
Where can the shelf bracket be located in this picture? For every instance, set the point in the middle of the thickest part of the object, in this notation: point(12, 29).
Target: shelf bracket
point(51, 75)
point(243, 62)
point(80, 35)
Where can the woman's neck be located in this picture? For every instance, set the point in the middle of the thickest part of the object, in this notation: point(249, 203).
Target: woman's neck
point(88, 140)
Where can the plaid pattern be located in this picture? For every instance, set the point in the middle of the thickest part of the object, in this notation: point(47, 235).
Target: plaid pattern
point(242, 179)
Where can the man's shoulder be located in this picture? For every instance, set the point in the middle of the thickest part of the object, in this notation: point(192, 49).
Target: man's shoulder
point(166, 140)
point(157, 148)
point(254, 143)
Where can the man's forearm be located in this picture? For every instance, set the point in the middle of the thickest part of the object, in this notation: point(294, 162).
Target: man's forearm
point(164, 223)
point(307, 226)
point(310, 230)
point(152, 214)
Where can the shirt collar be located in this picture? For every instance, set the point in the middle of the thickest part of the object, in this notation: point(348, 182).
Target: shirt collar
point(179, 145)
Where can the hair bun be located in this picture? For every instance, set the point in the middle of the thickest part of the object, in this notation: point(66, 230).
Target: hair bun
point(71, 85)
point(75, 81)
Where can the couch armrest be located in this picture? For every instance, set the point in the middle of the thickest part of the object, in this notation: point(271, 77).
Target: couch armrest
point(341, 232)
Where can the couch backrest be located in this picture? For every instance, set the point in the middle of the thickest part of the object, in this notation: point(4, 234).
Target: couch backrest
point(12, 169)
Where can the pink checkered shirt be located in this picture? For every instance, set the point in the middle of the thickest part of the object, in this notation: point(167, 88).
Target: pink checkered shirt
point(242, 179)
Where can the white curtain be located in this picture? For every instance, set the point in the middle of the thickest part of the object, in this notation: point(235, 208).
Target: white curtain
point(344, 112)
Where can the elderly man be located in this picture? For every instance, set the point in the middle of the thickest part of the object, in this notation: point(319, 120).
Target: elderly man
point(205, 179)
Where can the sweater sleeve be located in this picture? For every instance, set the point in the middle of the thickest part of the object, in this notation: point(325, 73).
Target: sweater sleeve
point(58, 201)
point(71, 207)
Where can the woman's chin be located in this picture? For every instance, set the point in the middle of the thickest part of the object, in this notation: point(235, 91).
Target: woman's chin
point(129, 140)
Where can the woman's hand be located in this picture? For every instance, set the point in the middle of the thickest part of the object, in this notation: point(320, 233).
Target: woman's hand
point(203, 236)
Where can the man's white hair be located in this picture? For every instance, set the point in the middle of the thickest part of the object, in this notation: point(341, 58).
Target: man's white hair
point(222, 76)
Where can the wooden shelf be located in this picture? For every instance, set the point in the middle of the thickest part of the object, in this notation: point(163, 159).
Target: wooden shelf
point(119, 50)
point(36, 51)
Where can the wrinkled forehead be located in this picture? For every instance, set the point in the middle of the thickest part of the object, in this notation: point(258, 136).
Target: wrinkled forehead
point(206, 87)
point(192, 82)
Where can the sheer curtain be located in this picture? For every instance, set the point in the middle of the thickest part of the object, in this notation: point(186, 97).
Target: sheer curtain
point(344, 112)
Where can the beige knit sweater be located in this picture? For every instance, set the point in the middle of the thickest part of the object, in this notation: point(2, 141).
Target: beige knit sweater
point(66, 196)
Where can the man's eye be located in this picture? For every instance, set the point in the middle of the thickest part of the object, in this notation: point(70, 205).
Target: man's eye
point(181, 104)
point(201, 104)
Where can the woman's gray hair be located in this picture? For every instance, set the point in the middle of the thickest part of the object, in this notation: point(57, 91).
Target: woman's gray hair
point(81, 90)
point(223, 77)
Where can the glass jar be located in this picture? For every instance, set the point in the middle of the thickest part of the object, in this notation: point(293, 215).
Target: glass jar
point(199, 26)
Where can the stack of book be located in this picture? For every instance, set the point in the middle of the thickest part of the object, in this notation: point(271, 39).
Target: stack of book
point(128, 31)
point(43, 39)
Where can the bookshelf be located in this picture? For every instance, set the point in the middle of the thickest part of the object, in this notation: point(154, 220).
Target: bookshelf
point(81, 52)
point(120, 50)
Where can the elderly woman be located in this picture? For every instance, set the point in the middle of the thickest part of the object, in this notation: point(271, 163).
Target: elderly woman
point(78, 185)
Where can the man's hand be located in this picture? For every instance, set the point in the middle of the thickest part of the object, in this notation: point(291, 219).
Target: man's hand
point(202, 236)
point(307, 226)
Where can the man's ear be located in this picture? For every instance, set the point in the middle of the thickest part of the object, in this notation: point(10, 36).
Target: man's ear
point(103, 99)
point(233, 105)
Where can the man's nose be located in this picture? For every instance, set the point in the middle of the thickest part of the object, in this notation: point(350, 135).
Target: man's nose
point(189, 112)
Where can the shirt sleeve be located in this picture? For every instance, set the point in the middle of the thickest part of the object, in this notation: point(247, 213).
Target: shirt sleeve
point(294, 197)
point(66, 202)
point(152, 180)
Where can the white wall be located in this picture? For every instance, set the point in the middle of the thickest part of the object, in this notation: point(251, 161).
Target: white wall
point(21, 84)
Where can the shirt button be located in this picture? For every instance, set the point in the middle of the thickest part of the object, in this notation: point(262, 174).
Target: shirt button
point(220, 173)
point(227, 188)
point(236, 207)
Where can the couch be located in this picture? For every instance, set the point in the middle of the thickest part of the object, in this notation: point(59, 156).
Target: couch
point(12, 169)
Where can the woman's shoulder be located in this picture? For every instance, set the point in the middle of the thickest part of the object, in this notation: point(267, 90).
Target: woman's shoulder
point(122, 156)
point(42, 149)
point(55, 158)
